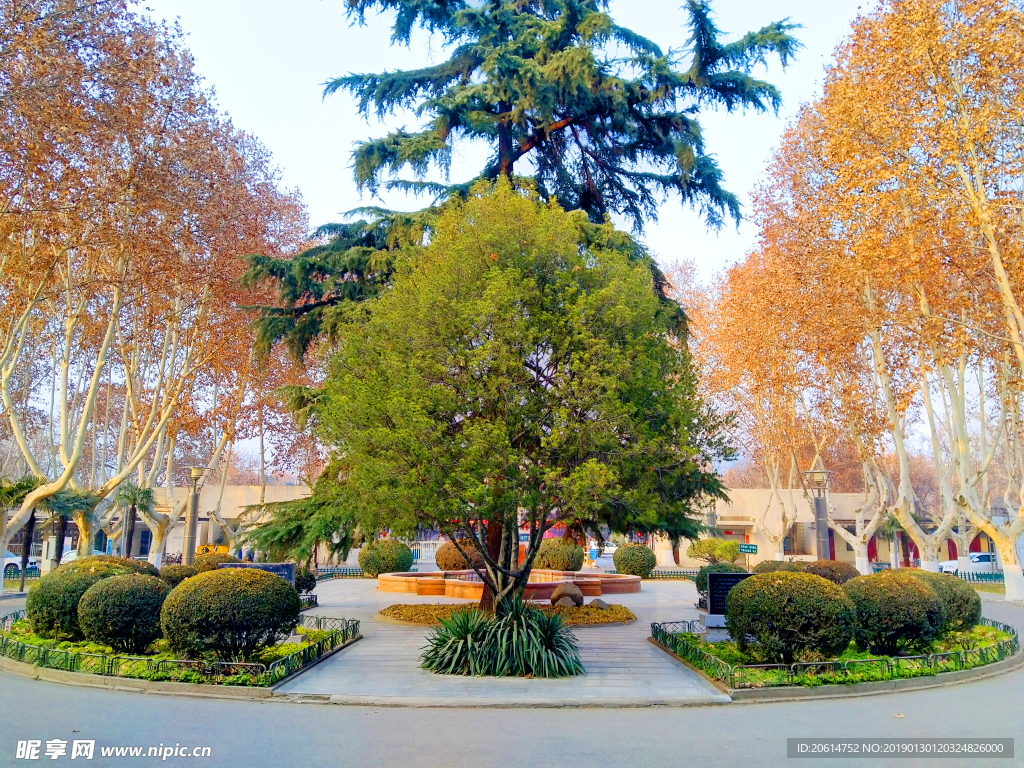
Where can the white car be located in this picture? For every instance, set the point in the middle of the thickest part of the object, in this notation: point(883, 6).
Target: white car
point(11, 559)
point(981, 562)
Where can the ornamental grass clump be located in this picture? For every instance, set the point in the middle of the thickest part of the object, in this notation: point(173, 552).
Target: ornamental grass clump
point(897, 612)
point(385, 556)
point(518, 641)
point(559, 554)
point(232, 613)
point(635, 560)
point(123, 612)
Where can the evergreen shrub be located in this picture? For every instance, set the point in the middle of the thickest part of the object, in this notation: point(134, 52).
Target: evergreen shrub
point(635, 560)
point(559, 554)
point(123, 612)
point(385, 556)
point(897, 612)
point(175, 574)
point(448, 557)
point(834, 570)
point(961, 600)
point(212, 561)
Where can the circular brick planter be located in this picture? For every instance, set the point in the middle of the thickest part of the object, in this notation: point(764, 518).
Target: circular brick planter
point(542, 583)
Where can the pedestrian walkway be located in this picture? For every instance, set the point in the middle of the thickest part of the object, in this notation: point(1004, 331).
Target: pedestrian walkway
point(623, 669)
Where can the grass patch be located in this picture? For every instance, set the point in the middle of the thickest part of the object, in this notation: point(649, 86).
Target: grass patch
point(994, 589)
point(430, 614)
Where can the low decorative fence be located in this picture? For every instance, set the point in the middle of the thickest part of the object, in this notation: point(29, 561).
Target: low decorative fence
point(308, 601)
point(672, 636)
point(981, 578)
point(323, 574)
point(184, 670)
point(675, 573)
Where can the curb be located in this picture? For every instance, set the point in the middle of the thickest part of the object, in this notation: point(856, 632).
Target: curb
point(425, 702)
point(13, 595)
point(854, 690)
point(134, 685)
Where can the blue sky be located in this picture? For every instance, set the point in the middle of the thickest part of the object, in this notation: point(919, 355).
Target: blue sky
point(267, 62)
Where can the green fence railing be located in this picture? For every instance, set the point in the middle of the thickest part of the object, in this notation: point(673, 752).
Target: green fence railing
point(673, 637)
point(981, 578)
point(184, 670)
point(323, 574)
point(308, 601)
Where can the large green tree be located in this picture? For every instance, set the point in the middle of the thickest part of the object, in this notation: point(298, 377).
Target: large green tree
point(512, 375)
point(598, 117)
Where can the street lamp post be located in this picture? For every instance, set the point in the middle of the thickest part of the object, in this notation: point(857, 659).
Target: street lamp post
point(819, 483)
point(188, 548)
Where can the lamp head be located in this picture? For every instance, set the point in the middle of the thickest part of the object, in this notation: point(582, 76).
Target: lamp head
point(196, 473)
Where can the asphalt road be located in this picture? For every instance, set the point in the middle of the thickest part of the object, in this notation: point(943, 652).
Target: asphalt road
point(271, 734)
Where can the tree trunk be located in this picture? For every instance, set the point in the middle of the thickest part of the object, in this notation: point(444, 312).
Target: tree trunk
point(62, 533)
point(84, 534)
point(894, 553)
point(963, 563)
point(929, 550)
point(494, 534)
point(1013, 578)
point(128, 532)
point(26, 548)
point(906, 551)
point(860, 554)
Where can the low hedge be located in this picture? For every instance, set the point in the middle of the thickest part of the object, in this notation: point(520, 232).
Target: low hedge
point(558, 554)
point(107, 564)
point(635, 560)
point(961, 600)
point(305, 580)
point(385, 556)
point(896, 612)
point(772, 566)
point(175, 574)
point(701, 579)
point(212, 561)
point(123, 612)
point(714, 550)
point(782, 614)
point(230, 612)
point(448, 557)
point(835, 571)
point(52, 604)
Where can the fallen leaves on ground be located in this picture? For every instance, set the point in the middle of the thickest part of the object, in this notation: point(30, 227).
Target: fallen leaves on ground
point(430, 614)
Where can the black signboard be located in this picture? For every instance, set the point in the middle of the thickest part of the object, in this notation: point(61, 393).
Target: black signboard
point(719, 585)
point(285, 570)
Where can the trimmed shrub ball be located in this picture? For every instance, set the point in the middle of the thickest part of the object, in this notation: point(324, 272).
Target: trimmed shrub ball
point(230, 612)
point(123, 611)
point(784, 613)
point(635, 560)
point(962, 602)
point(96, 563)
point(52, 604)
point(175, 574)
point(385, 556)
point(835, 571)
point(896, 612)
point(772, 566)
point(211, 561)
point(305, 580)
point(559, 554)
point(714, 550)
point(448, 558)
point(702, 578)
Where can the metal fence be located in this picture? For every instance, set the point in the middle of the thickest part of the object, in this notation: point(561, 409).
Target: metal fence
point(981, 578)
point(323, 574)
point(184, 670)
point(681, 573)
point(308, 601)
point(678, 637)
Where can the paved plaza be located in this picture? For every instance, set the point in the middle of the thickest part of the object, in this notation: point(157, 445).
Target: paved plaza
point(623, 669)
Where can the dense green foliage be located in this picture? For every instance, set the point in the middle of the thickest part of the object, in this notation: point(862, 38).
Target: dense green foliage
point(714, 550)
point(834, 570)
point(896, 612)
point(449, 558)
point(385, 556)
point(175, 574)
point(518, 641)
point(305, 580)
point(212, 561)
point(559, 554)
point(701, 579)
point(771, 566)
point(52, 604)
point(783, 614)
point(635, 560)
point(123, 612)
point(110, 563)
point(962, 602)
point(230, 612)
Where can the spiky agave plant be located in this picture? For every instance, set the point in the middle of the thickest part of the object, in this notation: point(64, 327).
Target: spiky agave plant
point(453, 648)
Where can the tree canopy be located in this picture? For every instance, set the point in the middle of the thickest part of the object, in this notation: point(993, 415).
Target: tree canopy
point(598, 117)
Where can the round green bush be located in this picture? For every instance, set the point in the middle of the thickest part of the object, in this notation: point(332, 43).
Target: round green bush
point(123, 611)
point(635, 559)
point(108, 564)
point(448, 557)
point(212, 561)
point(772, 566)
point(305, 580)
point(175, 574)
point(559, 554)
point(785, 613)
point(714, 550)
point(834, 570)
point(385, 556)
point(896, 612)
point(962, 602)
point(52, 604)
point(702, 578)
point(230, 612)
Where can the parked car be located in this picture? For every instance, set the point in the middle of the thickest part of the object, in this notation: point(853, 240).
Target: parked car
point(12, 563)
point(981, 562)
